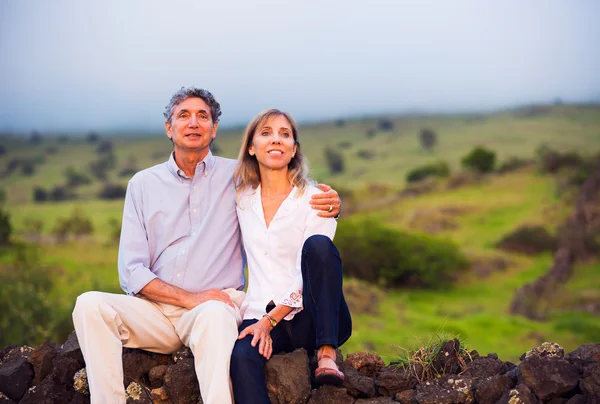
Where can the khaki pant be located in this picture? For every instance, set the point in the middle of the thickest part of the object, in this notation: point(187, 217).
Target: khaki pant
point(106, 322)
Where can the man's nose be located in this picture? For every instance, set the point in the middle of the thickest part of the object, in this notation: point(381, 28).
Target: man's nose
point(193, 121)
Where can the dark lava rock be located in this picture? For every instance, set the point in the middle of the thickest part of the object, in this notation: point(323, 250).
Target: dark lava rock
point(449, 389)
point(41, 359)
point(330, 395)
point(71, 349)
point(446, 361)
point(156, 375)
point(548, 378)
point(366, 363)
point(520, 394)
point(288, 377)
point(490, 389)
point(15, 377)
point(392, 380)
point(406, 397)
point(181, 382)
point(590, 380)
point(48, 391)
point(136, 365)
point(484, 367)
point(357, 384)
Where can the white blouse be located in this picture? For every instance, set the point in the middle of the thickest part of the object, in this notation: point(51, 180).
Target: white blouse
point(274, 253)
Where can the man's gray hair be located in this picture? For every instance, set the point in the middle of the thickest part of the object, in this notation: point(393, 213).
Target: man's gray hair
point(193, 92)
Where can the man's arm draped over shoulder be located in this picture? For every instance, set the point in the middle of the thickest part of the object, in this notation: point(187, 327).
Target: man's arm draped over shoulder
point(135, 274)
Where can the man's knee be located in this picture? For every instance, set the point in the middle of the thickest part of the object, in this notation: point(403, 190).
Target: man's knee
point(87, 302)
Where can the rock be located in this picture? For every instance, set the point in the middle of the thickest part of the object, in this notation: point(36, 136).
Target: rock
point(330, 395)
point(80, 382)
point(392, 380)
point(80, 399)
point(48, 391)
point(490, 389)
point(406, 397)
point(586, 352)
point(484, 367)
point(584, 399)
point(558, 400)
point(366, 363)
point(449, 389)
point(17, 352)
point(357, 384)
point(156, 375)
point(181, 382)
point(160, 396)
point(15, 376)
point(378, 400)
point(41, 359)
point(546, 350)
point(65, 369)
point(4, 351)
point(182, 353)
point(288, 377)
point(590, 380)
point(136, 365)
point(519, 395)
point(548, 377)
point(136, 393)
point(3, 398)
point(71, 349)
point(446, 361)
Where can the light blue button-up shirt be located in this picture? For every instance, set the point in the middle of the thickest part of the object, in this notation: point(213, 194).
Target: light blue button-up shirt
point(182, 230)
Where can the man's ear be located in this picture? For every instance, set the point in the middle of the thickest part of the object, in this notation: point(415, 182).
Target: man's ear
point(215, 127)
point(168, 130)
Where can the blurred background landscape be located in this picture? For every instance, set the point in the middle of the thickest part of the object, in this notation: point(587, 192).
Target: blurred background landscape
point(464, 140)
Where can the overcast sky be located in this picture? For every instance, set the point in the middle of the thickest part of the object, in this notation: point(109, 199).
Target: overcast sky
point(113, 64)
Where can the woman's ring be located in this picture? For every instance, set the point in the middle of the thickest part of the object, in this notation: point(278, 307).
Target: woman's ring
point(330, 208)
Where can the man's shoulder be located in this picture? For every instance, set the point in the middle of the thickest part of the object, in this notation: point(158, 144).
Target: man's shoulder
point(225, 162)
point(149, 173)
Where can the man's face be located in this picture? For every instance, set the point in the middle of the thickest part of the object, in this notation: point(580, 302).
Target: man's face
point(191, 127)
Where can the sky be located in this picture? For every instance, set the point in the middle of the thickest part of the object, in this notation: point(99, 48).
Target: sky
point(74, 65)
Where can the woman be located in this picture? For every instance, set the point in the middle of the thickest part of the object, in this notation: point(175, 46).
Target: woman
point(294, 298)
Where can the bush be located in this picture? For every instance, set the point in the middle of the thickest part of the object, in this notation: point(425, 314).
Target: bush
point(439, 169)
point(33, 228)
point(60, 193)
point(76, 225)
point(382, 255)
point(35, 137)
point(552, 161)
point(93, 137)
point(480, 159)
point(2, 196)
point(28, 316)
point(513, 164)
point(370, 133)
point(385, 125)
point(428, 138)
point(112, 191)
point(99, 167)
point(27, 167)
point(2, 150)
point(528, 240)
point(104, 147)
point(335, 161)
point(40, 194)
point(345, 145)
point(76, 178)
point(5, 228)
point(365, 154)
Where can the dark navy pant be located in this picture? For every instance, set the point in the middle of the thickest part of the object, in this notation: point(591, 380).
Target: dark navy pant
point(325, 320)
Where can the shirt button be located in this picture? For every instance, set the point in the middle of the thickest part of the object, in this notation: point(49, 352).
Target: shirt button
point(195, 187)
point(205, 174)
point(178, 275)
point(266, 253)
point(194, 210)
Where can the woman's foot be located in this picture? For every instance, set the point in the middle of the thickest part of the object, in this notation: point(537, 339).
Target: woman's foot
point(327, 372)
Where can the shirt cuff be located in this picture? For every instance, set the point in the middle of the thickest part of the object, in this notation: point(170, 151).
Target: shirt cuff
point(138, 278)
point(293, 300)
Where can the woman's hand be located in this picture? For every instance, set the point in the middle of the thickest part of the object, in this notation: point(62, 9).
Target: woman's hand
point(262, 334)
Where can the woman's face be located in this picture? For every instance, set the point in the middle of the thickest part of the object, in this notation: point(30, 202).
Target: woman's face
point(273, 143)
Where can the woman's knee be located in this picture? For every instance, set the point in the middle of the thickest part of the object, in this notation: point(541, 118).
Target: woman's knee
point(244, 352)
point(319, 245)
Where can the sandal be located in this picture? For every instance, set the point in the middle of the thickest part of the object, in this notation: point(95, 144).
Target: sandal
point(328, 375)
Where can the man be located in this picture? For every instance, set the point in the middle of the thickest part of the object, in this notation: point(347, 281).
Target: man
point(180, 261)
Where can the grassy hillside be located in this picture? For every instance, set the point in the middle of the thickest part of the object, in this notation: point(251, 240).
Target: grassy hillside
point(474, 216)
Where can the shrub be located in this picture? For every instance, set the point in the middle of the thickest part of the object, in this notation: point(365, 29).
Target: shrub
point(439, 169)
point(28, 316)
point(480, 159)
point(104, 147)
point(33, 228)
point(76, 225)
point(35, 137)
point(365, 154)
point(528, 240)
point(385, 125)
point(60, 193)
point(115, 230)
point(2, 196)
point(379, 254)
point(99, 167)
point(51, 149)
point(5, 228)
point(335, 160)
point(513, 164)
point(552, 161)
point(76, 178)
point(345, 145)
point(112, 191)
point(40, 194)
point(340, 123)
point(93, 137)
point(370, 133)
point(2, 150)
point(428, 138)
point(27, 167)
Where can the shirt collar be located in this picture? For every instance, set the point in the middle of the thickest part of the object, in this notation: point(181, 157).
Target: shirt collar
point(204, 167)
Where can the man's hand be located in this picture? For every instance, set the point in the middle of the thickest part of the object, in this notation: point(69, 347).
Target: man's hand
point(197, 298)
point(262, 334)
point(329, 202)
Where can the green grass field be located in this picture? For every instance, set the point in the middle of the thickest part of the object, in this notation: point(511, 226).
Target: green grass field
point(475, 217)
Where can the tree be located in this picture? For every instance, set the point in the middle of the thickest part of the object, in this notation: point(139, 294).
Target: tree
point(76, 178)
point(335, 160)
point(5, 227)
point(386, 125)
point(40, 194)
point(112, 191)
point(92, 137)
point(104, 147)
point(480, 159)
point(428, 138)
point(35, 137)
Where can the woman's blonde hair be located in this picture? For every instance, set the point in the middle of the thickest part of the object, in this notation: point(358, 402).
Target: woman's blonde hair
point(247, 173)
